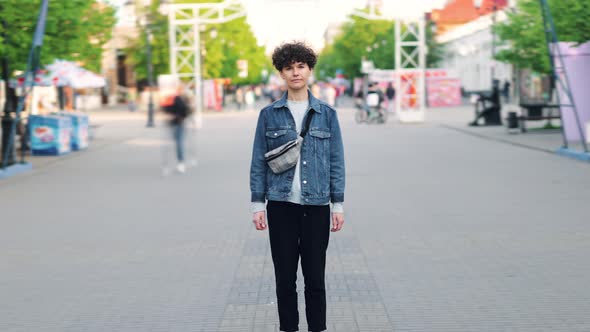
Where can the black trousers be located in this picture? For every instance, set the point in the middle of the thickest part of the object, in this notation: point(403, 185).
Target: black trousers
point(299, 231)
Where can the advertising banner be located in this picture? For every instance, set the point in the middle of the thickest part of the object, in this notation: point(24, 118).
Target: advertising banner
point(443, 92)
point(213, 94)
point(443, 89)
point(50, 135)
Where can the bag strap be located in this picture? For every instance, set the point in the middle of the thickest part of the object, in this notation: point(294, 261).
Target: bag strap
point(307, 123)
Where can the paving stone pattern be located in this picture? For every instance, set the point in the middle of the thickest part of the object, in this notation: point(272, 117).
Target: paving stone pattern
point(444, 232)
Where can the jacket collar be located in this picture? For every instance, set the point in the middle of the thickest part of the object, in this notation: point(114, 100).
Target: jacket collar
point(314, 103)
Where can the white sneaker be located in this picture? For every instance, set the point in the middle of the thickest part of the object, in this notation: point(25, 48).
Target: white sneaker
point(181, 168)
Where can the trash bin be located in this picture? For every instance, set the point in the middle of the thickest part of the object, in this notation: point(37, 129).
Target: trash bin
point(512, 120)
point(50, 135)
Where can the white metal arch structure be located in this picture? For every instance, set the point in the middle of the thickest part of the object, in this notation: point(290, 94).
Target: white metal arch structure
point(410, 63)
point(184, 21)
point(410, 68)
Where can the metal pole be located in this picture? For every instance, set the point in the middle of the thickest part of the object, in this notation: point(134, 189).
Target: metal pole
point(365, 91)
point(422, 64)
point(493, 62)
point(8, 103)
point(398, 66)
point(150, 67)
point(198, 75)
point(554, 78)
point(29, 79)
point(172, 38)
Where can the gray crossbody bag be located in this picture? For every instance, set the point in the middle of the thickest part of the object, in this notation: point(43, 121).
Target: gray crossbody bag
point(286, 156)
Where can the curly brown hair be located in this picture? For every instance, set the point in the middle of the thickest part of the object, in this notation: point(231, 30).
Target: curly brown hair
point(289, 53)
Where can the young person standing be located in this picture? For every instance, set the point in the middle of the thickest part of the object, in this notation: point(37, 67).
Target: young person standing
point(298, 200)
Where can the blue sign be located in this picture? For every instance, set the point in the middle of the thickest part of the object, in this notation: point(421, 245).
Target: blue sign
point(50, 135)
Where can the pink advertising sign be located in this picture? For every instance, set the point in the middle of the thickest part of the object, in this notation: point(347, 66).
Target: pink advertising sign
point(443, 92)
point(577, 64)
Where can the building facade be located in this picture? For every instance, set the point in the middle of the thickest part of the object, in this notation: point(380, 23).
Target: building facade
point(455, 13)
point(119, 74)
point(469, 53)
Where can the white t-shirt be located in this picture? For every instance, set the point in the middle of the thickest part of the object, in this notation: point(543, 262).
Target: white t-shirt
point(298, 110)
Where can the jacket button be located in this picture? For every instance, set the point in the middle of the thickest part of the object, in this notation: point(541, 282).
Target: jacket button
point(304, 182)
point(304, 162)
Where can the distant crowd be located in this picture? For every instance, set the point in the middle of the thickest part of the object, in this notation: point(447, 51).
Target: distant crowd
point(245, 96)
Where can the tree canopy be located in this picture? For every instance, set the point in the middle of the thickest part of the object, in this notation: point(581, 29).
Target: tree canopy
point(75, 30)
point(370, 39)
point(232, 41)
point(524, 35)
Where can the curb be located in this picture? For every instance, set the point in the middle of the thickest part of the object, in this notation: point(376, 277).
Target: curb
point(15, 169)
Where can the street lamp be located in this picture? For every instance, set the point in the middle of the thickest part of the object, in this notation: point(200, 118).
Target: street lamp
point(146, 22)
point(150, 69)
point(212, 35)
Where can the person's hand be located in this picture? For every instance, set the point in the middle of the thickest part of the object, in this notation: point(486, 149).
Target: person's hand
point(259, 220)
point(337, 221)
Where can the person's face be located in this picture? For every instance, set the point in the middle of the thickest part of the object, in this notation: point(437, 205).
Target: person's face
point(296, 75)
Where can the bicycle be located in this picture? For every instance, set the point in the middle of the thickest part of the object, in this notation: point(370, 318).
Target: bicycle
point(370, 115)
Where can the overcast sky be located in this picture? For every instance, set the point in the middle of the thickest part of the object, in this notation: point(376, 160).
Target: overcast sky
point(275, 21)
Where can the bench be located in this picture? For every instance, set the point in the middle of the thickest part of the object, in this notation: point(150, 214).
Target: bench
point(534, 112)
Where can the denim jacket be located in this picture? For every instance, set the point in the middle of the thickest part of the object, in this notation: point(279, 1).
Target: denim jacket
point(322, 155)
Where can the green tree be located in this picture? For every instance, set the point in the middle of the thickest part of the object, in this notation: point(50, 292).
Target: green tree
point(222, 45)
point(237, 41)
point(158, 25)
point(360, 38)
point(435, 51)
point(524, 36)
point(75, 30)
point(370, 39)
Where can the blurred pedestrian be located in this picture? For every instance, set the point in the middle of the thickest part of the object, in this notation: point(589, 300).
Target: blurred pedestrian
point(176, 106)
point(257, 92)
point(316, 90)
point(390, 93)
point(249, 98)
point(298, 199)
point(506, 91)
point(491, 112)
point(276, 93)
point(374, 103)
point(132, 99)
point(240, 97)
point(330, 92)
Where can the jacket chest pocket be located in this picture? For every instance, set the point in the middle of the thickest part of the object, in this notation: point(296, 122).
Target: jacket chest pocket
point(320, 142)
point(319, 146)
point(276, 138)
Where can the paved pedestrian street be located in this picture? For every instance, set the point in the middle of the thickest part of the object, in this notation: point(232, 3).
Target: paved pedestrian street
point(444, 231)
